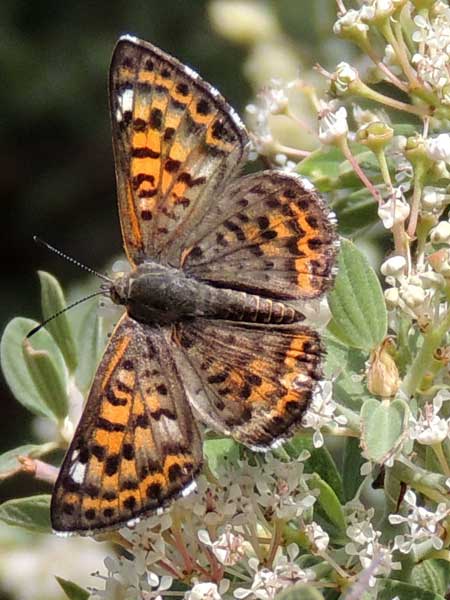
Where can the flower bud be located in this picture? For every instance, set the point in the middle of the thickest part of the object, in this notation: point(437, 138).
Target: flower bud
point(394, 266)
point(343, 78)
point(382, 375)
point(243, 21)
point(375, 135)
point(413, 295)
point(380, 10)
point(439, 261)
point(395, 210)
point(391, 296)
point(350, 27)
point(441, 233)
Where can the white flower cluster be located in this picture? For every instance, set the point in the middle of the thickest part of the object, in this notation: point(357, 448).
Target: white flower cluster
point(220, 527)
point(431, 60)
point(424, 525)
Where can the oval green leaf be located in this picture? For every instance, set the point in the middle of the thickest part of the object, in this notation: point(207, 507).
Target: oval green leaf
point(72, 590)
point(299, 591)
point(91, 342)
point(328, 501)
point(46, 379)
point(32, 513)
point(357, 302)
point(390, 588)
point(382, 427)
point(17, 373)
point(53, 301)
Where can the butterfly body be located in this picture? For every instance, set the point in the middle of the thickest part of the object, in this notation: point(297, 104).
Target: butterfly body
point(210, 333)
point(156, 294)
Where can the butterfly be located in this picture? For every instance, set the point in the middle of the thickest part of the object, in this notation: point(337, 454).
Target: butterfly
point(212, 331)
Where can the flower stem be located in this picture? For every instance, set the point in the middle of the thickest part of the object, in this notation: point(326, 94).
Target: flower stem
point(345, 149)
point(424, 357)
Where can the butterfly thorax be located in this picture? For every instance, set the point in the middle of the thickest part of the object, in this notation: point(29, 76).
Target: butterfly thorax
point(154, 293)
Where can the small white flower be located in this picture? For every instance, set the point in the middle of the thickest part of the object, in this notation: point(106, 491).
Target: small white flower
point(203, 591)
point(321, 411)
point(429, 428)
point(394, 210)
point(438, 148)
point(424, 525)
point(228, 549)
point(318, 537)
point(332, 123)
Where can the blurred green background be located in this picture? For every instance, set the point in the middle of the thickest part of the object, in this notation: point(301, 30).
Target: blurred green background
point(57, 169)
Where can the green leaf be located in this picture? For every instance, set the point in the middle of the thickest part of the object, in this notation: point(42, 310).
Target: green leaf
point(357, 302)
point(328, 501)
point(320, 461)
point(346, 365)
point(382, 427)
point(72, 590)
point(323, 168)
point(390, 588)
point(91, 342)
point(299, 591)
point(44, 397)
point(351, 472)
point(355, 212)
point(432, 575)
point(8, 460)
point(46, 379)
point(32, 513)
point(220, 452)
point(53, 301)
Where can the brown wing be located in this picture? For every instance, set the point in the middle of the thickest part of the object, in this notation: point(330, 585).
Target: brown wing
point(136, 446)
point(176, 143)
point(271, 234)
point(251, 382)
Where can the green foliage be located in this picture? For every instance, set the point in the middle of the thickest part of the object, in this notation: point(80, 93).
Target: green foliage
point(34, 369)
point(32, 513)
point(53, 302)
point(357, 302)
point(382, 427)
point(72, 590)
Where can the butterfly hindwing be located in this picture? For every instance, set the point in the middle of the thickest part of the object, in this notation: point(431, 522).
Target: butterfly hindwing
point(176, 142)
point(137, 445)
point(271, 234)
point(251, 382)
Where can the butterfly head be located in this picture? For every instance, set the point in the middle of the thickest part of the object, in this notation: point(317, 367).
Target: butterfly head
point(118, 290)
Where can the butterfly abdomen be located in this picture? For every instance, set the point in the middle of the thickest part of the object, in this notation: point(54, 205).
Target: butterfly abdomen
point(154, 293)
point(236, 305)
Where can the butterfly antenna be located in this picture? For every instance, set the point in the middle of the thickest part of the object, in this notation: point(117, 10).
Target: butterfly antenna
point(70, 259)
point(63, 310)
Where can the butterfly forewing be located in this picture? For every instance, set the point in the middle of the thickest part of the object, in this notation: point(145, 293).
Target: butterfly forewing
point(254, 383)
point(271, 234)
point(176, 143)
point(136, 446)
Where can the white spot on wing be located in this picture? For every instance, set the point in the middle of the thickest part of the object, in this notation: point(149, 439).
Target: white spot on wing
point(126, 100)
point(77, 471)
point(129, 38)
point(190, 72)
point(188, 489)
